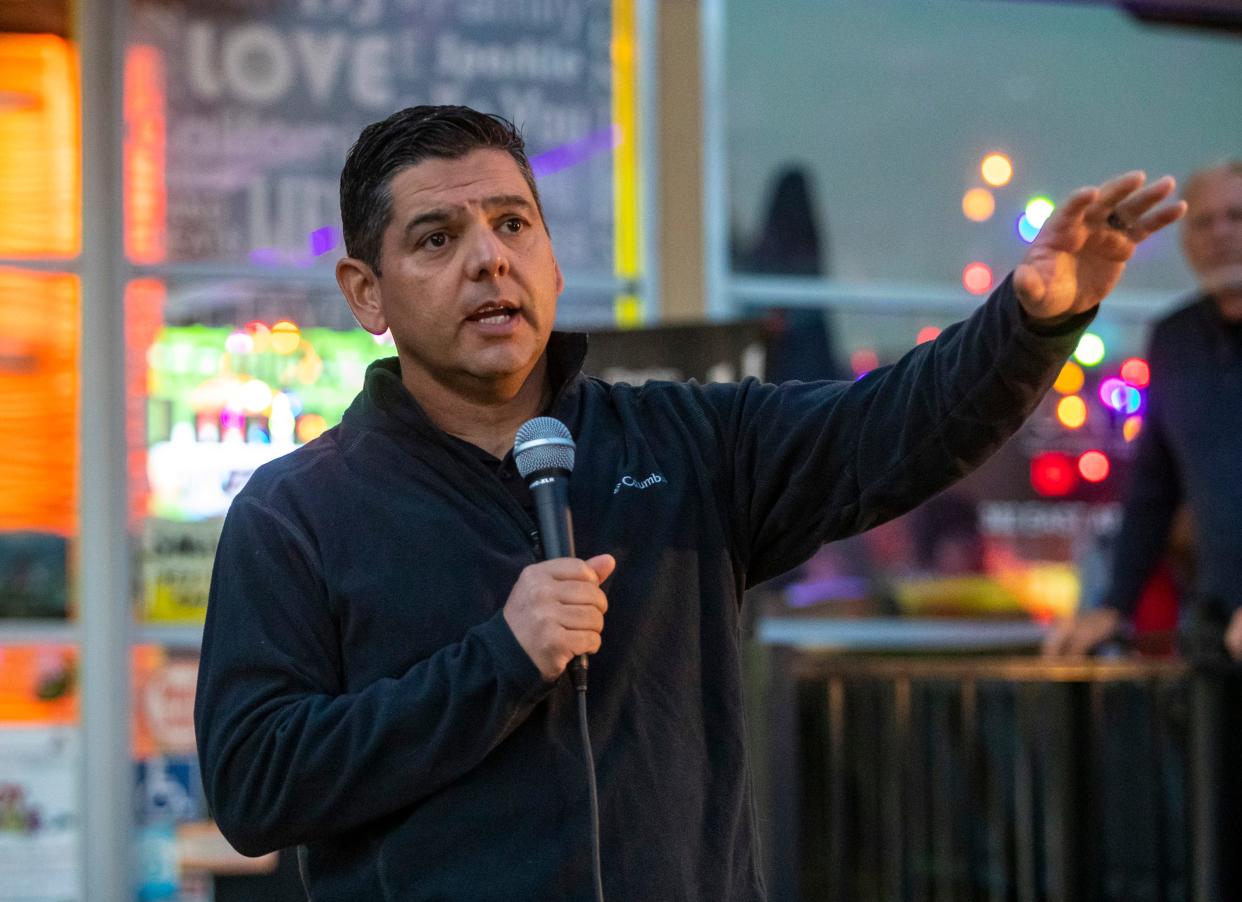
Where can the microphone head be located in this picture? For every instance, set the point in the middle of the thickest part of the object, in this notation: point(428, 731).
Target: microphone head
point(543, 443)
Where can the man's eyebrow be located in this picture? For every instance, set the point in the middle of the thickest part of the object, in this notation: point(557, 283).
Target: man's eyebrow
point(441, 215)
point(432, 217)
point(507, 200)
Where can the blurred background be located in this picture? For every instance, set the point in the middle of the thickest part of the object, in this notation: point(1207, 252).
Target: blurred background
point(793, 189)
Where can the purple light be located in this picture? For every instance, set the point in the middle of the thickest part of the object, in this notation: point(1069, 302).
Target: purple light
point(265, 256)
point(323, 240)
point(574, 152)
point(1113, 393)
point(274, 256)
point(231, 419)
point(1121, 397)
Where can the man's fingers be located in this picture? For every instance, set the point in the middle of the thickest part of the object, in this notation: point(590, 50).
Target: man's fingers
point(583, 642)
point(603, 565)
point(1068, 216)
point(1134, 210)
point(581, 594)
point(1111, 193)
point(1135, 204)
point(1071, 212)
point(570, 569)
point(576, 617)
point(1155, 220)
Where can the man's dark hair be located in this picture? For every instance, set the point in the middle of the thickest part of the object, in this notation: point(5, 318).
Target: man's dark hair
point(404, 139)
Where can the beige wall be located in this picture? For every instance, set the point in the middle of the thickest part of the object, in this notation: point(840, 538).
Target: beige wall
point(679, 145)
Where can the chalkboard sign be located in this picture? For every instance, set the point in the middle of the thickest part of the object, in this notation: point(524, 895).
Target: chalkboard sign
point(248, 107)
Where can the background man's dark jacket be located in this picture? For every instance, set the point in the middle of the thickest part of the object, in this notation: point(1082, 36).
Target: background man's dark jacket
point(1189, 452)
point(361, 695)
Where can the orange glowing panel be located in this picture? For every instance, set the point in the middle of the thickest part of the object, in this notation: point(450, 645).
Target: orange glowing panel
point(144, 317)
point(39, 685)
point(40, 178)
point(38, 401)
point(1132, 427)
point(145, 191)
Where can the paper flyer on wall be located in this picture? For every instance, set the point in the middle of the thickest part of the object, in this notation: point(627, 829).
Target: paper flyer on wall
point(39, 822)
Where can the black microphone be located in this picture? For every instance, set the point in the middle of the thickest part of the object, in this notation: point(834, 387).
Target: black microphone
point(544, 453)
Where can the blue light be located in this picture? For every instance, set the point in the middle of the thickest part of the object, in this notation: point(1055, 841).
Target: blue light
point(1026, 229)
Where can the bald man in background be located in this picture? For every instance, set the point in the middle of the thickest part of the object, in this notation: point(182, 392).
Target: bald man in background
point(1190, 454)
point(1190, 449)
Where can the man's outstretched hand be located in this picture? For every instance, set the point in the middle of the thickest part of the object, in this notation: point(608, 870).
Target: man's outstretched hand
point(1078, 256)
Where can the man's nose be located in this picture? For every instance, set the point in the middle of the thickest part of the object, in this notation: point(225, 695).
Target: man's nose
point(487, 258)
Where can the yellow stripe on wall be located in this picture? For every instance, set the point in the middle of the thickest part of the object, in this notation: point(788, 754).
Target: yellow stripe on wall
point(626, 185)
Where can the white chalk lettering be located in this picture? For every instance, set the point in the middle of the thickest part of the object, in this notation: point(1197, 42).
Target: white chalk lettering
point(258, 65)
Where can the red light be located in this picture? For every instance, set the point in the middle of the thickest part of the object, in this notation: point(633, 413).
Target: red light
point(977, 278)
point(1053, 473)
point(1094, 466)
point(864, 360)
point(1136, 372)
point(927, 333)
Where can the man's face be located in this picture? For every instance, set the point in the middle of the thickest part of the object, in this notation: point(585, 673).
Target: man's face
point(468, 281)
point(1212, 232)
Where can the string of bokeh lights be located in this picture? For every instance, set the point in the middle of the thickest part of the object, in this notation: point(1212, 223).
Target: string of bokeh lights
point(1120, 397)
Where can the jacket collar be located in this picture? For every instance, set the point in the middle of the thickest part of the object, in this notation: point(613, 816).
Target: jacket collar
point(386, 404)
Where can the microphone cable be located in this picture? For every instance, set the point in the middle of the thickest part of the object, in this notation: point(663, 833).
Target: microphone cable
point(579, 674)
point(544, 451)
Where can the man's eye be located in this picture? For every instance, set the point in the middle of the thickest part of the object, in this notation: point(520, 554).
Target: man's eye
point(514, 225)
point(435, 239)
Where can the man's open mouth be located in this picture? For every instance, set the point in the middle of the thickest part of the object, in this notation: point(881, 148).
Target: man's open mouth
point(493, 314)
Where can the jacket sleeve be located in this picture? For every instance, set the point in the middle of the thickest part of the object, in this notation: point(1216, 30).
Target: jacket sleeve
point(1151, 501)
point(814, 462)
point(289, 757)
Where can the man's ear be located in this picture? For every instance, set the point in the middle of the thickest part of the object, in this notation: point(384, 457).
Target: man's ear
point(560, 277)
point(361, 288)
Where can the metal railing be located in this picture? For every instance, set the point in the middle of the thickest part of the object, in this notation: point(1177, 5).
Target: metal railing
point(919, 778)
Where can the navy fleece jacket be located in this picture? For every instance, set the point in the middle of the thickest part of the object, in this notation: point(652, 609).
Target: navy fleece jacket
point(361, 696)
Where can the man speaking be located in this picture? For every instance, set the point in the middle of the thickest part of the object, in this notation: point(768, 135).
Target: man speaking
point(383, 679)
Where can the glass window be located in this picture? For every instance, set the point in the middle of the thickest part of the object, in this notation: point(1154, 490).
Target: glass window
point(887, 110)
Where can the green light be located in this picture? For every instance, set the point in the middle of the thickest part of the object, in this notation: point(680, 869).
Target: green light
point(1038, 209)
point(1090, 350)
